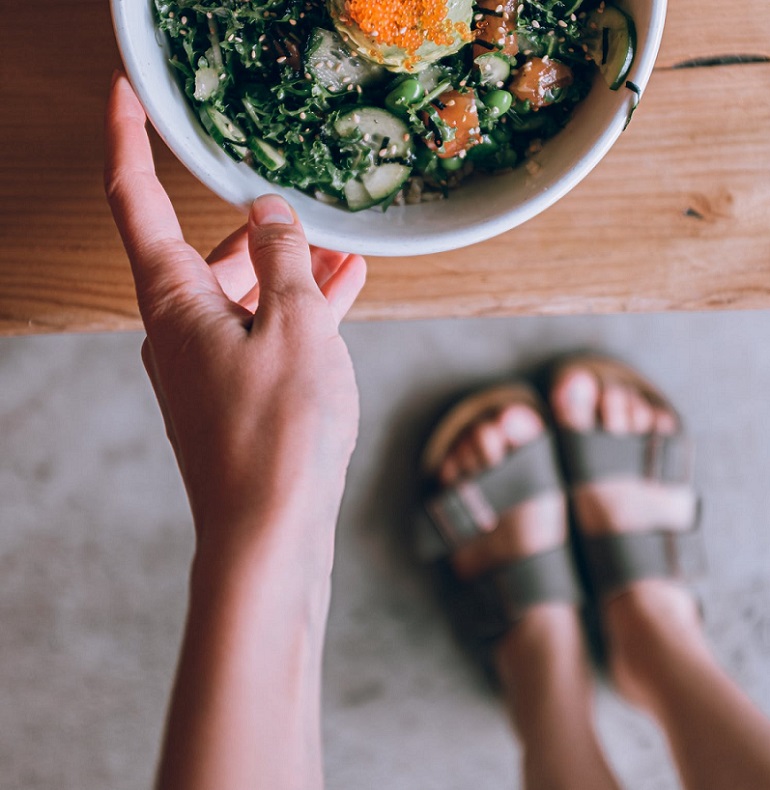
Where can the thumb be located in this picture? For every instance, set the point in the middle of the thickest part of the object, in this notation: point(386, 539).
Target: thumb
point(279, 251)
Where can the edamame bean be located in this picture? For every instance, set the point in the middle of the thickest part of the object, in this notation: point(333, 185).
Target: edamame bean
point(452, 164)
point(410, 91)
point(498, 102)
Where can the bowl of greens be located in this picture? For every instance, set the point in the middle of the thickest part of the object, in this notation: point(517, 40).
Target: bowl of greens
point(394, 127)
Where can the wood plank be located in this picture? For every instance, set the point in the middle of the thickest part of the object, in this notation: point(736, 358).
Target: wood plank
point(698, 30)
point(624, 240)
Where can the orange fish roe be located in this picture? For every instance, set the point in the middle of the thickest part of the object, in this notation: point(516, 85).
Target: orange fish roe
point(405, 24)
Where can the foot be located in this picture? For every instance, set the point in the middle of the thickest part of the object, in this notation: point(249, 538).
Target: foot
point(530, 527)
point(541, 662)
point(584, 398)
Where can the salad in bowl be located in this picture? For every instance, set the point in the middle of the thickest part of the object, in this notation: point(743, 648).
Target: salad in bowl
point(365, 115)
point(364, 103)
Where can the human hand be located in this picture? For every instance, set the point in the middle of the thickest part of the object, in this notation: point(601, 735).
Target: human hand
point(254, 381)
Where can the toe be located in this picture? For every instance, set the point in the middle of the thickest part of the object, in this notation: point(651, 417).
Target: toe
point(519, 424)
point(641, 414)
point(466, 457)
point(614, 409)
point(575, 398)
point(489, 442)
point(665, 421)
point(449, 471)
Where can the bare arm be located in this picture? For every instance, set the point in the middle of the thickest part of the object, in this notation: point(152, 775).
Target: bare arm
point(260, 403)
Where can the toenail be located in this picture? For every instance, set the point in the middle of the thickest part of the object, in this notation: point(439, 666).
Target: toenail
point(580, 388)
point(521, 425)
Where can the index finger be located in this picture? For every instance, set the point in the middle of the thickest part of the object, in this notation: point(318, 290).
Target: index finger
point(141, 208)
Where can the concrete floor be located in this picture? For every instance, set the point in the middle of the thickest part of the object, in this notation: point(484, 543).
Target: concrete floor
point(95, 539)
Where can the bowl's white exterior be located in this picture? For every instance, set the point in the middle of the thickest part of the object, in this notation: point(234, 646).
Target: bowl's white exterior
point(479, 210)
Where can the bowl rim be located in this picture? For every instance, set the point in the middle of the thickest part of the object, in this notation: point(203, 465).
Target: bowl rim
point(331, 235)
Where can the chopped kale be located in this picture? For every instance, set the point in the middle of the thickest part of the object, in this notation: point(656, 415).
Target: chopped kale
point(249, 66)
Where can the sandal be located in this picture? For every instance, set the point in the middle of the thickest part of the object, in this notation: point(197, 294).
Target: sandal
point(486, 607)
point(613, 561)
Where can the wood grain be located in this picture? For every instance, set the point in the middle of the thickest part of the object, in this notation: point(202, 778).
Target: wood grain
point(677, 217)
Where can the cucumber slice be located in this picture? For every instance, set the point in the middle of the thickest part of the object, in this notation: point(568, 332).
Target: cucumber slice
point(220, 127)
point(382, 181)
point(493, 68)
point(266, 154)
point(239, 152)
point(430, 77)
point(611, 42)
point(357, 197)
point(335, 67)
point(206, 83)
point(376, 126)
point(376, 185)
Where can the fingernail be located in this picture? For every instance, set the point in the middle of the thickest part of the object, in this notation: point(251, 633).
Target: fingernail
point(272, 210)
point(114, 79)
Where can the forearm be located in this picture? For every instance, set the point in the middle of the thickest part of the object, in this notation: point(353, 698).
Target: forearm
point(245, 710)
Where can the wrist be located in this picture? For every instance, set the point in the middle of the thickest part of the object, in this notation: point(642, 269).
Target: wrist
point(283, 558)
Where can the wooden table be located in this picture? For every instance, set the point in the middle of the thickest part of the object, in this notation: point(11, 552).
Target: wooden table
point(677, 217)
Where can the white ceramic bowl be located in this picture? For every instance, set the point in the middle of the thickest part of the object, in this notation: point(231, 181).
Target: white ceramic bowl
point(471, 214)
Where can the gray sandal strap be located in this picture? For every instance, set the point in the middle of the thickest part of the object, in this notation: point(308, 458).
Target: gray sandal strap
point(598, 455)
point(453, 513)
point(615, 561)
point(540, 578)
point(499, 599)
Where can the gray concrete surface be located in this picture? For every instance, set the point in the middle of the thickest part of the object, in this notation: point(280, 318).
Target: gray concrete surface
point(95, 539)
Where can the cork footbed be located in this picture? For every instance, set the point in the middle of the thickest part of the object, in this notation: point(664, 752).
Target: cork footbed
point(469, 411)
